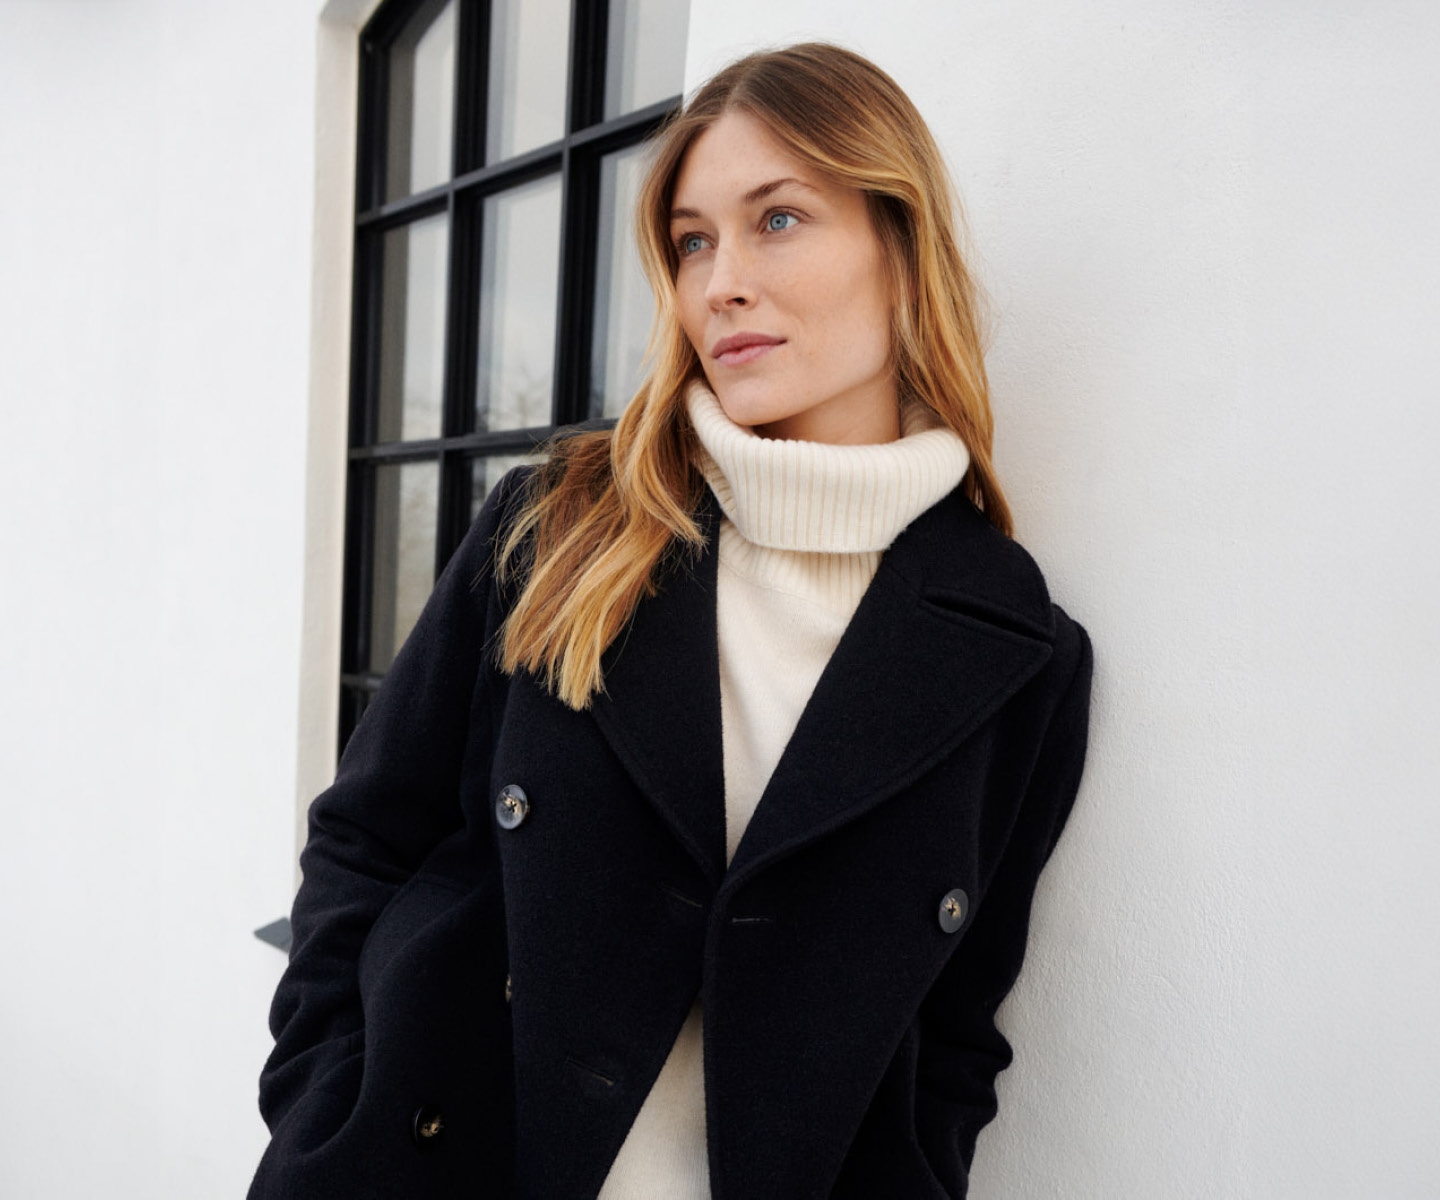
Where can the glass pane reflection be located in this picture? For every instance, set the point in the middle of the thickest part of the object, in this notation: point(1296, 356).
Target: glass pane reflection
point(623, 302)
point(519, 275)
point(529, 59)
point(421, 101)
point(412, 331)
point(403, 547)
point(645, 62)
point(487, 472)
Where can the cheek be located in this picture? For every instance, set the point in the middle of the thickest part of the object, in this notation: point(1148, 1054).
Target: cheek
point(866, 353)
point(691, 308)
point(856, 301)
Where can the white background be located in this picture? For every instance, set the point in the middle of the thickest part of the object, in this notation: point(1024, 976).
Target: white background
point(1208, 231)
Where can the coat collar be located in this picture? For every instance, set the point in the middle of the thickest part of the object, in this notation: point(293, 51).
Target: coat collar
point(956, 620)
point(660, 707)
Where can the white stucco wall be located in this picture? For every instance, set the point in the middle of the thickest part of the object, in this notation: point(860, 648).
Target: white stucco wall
point(1209, 233)
point(155, 244)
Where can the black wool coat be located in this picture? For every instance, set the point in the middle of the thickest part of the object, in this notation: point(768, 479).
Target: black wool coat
point(481, 993)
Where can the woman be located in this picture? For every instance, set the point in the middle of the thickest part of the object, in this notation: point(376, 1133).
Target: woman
point(689, 848)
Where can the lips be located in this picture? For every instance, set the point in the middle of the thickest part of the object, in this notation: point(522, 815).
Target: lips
point(741, 348)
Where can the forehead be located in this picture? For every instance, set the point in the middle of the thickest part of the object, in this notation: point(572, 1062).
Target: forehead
point(735, 155)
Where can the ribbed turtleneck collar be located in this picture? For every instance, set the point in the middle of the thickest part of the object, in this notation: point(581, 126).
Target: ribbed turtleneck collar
point(817, 497)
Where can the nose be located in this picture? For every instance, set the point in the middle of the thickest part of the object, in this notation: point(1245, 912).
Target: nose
point(732, 277)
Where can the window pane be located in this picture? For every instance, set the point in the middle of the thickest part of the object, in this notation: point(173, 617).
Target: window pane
point(487, 472)
point(404, 554)
point(529, 58)
point(646, 58)
point(422, 101)
point(623, 302)
point(519, 277)
point(412, 331)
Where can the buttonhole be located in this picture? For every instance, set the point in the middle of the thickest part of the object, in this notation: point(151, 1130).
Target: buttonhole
point(752, 920)
point(589, 1070)
point(680, 896)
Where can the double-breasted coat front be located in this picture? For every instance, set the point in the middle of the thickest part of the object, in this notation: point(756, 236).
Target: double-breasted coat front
point(509, 906)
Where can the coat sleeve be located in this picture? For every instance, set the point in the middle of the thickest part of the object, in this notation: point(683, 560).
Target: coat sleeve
point(395, 797)
point(961, 1050)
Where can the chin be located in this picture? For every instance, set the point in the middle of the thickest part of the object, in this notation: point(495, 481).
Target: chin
point(751, 406)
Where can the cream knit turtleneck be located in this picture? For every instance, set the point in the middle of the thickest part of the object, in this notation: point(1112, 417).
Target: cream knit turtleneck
point(804, 526)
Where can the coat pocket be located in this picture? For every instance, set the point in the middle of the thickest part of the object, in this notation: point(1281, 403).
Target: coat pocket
point(422, 900)
point(321, 1110)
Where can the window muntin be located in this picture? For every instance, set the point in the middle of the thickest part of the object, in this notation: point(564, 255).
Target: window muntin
point(497, 292)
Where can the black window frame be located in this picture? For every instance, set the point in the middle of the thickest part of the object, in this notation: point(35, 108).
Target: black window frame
point(577, 158)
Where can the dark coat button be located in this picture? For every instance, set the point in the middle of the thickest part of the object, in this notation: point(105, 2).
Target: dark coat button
point(511, 806)
point(953, 909)
point(426, 1126)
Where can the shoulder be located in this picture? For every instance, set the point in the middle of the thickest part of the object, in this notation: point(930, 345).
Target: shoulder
point(509, 495)
point(530, 498)
point(953, 557)
point(470, 576)
point(1072, 661)
point(951, 554)
point(573, 454)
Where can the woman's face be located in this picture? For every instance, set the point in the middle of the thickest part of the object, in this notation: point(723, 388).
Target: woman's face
point(782, 290)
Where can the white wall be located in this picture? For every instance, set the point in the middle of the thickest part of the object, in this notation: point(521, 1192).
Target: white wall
point(1209, 231)
point(155, 246)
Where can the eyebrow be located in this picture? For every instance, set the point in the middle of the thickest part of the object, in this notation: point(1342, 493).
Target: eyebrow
point(754, 196)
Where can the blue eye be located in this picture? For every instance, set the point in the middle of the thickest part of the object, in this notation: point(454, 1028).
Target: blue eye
point(690, 243)
point(778, 221)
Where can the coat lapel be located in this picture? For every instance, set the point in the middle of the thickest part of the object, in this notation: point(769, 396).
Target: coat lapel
point(660, 710)
point(956, 621)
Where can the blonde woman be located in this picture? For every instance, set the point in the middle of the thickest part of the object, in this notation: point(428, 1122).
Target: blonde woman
point(689, 847)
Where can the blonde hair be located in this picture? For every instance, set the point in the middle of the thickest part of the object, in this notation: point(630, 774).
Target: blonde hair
point(609, 509)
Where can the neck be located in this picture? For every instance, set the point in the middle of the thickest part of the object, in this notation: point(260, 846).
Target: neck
point(825, 498)
point(858, 419)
